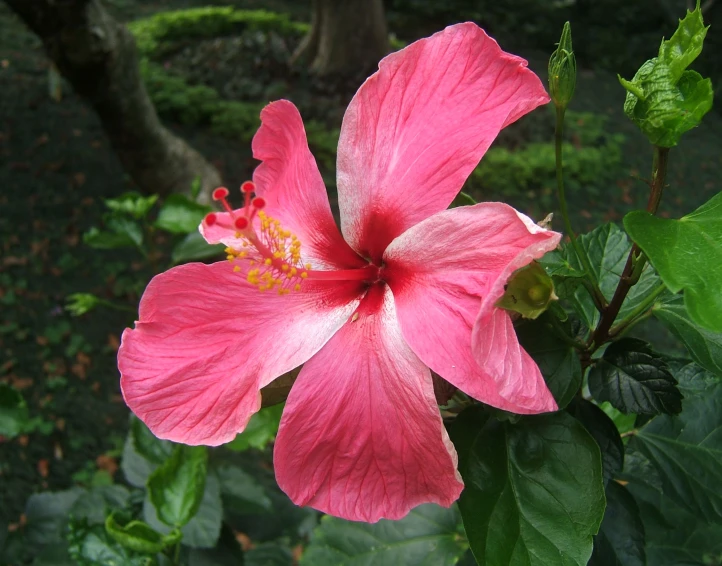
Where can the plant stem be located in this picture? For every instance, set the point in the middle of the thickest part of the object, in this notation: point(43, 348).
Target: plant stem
point(592, 287)
point(635, 260)
point(637, 313)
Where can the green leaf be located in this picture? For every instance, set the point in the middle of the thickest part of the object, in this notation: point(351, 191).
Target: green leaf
point(176, 487)
point(687, 254)
point(107, 240)
point(193, 247)
point(95, 504)
point(47, 515)
point(557, 361)
point(674, 536)
point(607, 248)
point(428, 536)
point(604, 432)
point(91, 545)
point(686, 450)
point(704, 346)
point(203, 530)
point(226, 553)
point(241, 491)
point(663, 98)
point(685, 45)
point(623, 422)
point(269, 554)
point(534, 493)
point(260, 430)
point(136, 468)
point(147, 444)
point(14, 415)
point(180, 215)
point(132, 203)
point(138, 536)
point(634, 379)
point(620, 541)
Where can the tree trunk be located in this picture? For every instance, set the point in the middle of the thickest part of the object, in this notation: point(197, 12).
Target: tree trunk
point(97, 55)
point(347, 37)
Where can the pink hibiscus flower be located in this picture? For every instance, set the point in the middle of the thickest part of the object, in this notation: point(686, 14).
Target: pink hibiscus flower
point(409, 287)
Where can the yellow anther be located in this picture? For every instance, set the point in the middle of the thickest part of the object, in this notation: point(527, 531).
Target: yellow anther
point(308, 266)
point(285, 267)
point(268, 261)
point(230, 257)
point(297, 287)
point(304, 275)
point(237, 268)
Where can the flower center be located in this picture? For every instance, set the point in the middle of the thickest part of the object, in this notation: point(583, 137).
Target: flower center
point(273, 252)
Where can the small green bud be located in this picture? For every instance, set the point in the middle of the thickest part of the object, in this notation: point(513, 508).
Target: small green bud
point(563, 70)
point(80, 303)
point(529, 291)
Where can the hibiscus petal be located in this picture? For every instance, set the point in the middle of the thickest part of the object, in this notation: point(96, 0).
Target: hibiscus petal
point(290, 182)
point(361, 436)
point(207, 341)
point(439, 272)
point(417, 128)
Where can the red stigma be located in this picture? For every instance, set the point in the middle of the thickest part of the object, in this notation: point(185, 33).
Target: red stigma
point(258, 202)
point(220, 193)
point(210, 219)
point(241, 223)
point(248, 187)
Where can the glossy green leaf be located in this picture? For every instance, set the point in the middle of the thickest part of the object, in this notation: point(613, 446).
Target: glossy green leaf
point(176, 487)
point(704, 346)
point(193, 247)
point(607, 248)
point(132, 203)
point(534, 492)
point(260, 430)
point(180, 215)
point(604, 432)
point(137, 535)
point(623, 422)
point(620, 541)
point(14, 415)
point(634, 379)
point(663, 98)
point(203, 530)
point(428, 536)
point(687, 254)
point(558, 361)
point(686, 450)
point(147, 444)
point(91, 545)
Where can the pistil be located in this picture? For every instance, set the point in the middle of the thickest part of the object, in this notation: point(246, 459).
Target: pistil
point(273, 252)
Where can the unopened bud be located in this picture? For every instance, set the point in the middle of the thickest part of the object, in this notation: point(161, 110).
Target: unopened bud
point(528, 292)
point(563, 70)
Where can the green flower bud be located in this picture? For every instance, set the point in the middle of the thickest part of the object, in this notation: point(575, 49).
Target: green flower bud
point(528, 292)
point(563, 70)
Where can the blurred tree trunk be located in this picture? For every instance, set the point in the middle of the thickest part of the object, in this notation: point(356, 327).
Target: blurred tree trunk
point(347, 37)
point(97, 55)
